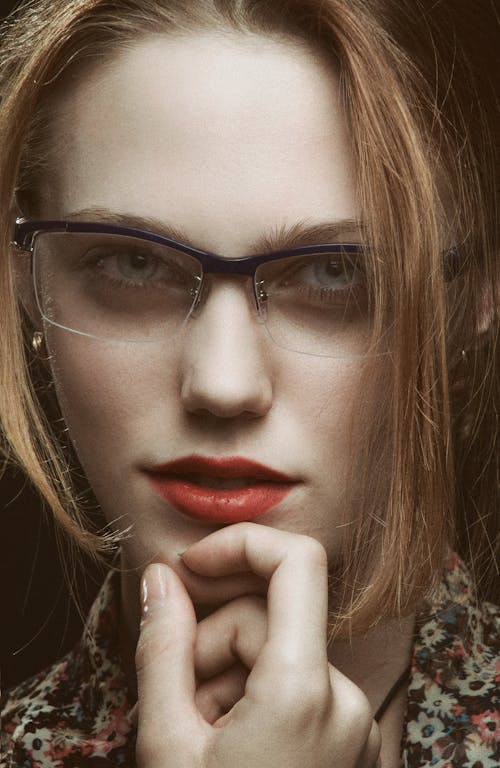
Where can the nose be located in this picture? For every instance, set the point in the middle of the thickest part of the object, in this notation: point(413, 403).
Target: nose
point(226, 370)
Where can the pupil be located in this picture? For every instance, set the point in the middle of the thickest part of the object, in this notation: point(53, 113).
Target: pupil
point(334, 269)
point(135, 264)
point(138, 261)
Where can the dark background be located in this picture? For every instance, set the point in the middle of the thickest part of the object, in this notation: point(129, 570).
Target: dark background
point(39, 620)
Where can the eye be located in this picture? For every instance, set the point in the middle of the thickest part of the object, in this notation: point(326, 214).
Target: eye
point(134, 265)
point(333, 272)
point(325, 272)
point(130, 263)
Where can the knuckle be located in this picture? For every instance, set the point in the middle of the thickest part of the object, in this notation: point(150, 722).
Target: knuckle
point(150, 646)
point(356, 709)
point(304, 700)
point(142, 654)
point(370, 754)
point(248, 604)
point(251, 616)
point(316, 698)
point(374, 742)
point(240, 617)
point(313, 552)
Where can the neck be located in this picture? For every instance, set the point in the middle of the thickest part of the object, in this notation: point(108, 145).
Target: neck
point(374, 660)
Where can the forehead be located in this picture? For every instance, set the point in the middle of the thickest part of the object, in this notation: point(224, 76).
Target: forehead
point(221, 136)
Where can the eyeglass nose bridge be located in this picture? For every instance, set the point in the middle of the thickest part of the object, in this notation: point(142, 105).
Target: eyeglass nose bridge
point(259, 293)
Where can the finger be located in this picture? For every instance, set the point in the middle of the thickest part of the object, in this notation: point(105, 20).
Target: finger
point(233, 634)
point(351, 715)
point(371, 753)
point(165, 664)
point(296, 568)
point(206, 591)
point(215, 697)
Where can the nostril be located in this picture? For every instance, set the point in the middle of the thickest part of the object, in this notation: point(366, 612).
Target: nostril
point(214, 419)
point(212, 389)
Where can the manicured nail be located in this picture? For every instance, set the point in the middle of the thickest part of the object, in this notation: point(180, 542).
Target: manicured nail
point(153, 588)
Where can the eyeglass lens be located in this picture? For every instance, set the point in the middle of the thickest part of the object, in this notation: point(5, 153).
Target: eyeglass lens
point(127, 289)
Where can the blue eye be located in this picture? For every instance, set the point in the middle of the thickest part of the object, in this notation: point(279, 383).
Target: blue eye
point(333, 272)
point(326, 272)
point(133, 265)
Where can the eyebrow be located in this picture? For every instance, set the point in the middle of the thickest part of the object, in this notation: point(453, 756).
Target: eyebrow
point(315, 233)
point(280, 238)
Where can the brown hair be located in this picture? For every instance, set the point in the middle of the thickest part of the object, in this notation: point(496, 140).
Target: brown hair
point(419, 95)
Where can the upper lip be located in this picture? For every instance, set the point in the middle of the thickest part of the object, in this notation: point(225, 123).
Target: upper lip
point(220, 467)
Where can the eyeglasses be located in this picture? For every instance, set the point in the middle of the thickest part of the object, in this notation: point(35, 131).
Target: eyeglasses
point(124, 284)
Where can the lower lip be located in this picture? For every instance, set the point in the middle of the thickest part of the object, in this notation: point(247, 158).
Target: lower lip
point(219, 505)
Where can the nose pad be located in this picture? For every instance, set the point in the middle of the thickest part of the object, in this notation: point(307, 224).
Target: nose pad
point(226, 368)
point(258, 294)
point(197, 293)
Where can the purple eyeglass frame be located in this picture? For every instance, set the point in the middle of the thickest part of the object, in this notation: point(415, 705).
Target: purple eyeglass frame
point(26, 229)
point(212, 263)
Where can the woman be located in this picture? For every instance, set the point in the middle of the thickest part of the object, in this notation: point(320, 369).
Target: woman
point(256, 251)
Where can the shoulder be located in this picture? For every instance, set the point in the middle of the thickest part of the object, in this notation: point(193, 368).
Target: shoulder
point(453, 701)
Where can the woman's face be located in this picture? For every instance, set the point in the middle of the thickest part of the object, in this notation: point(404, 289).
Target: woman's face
point(228, 139)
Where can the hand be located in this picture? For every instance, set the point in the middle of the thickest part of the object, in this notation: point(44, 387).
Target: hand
point(282, 703)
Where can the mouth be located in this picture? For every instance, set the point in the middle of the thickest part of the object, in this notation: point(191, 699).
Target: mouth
point(220, 490)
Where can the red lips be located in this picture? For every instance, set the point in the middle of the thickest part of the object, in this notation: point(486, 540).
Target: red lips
point(220, 490)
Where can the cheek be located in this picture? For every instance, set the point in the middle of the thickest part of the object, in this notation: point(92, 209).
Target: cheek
point(343, 416)
point(108, 393)
point(325, 394)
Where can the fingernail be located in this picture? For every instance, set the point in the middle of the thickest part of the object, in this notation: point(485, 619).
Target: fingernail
point(153, 588)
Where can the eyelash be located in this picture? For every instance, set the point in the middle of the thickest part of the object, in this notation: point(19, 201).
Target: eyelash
point(332, 295)
point(124, 283)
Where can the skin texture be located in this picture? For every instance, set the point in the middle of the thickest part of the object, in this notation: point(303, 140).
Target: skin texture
point(148, 134)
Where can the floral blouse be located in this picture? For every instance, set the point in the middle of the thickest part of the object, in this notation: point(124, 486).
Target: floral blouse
point(77, 713)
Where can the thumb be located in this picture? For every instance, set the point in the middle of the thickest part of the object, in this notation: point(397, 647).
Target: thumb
point(168, 721)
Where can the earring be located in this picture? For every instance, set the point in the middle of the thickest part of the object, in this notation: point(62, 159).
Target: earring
point(36, 342)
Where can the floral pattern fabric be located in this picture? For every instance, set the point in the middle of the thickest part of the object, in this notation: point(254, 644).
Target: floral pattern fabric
point(76, 714)
point(453, 706)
